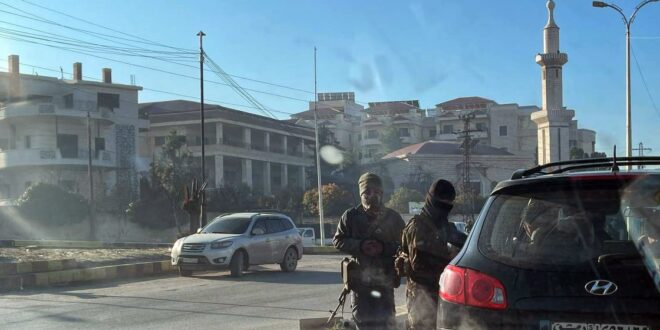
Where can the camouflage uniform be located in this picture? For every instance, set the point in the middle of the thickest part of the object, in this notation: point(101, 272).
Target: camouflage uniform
point(373, 300)
point(425, 243)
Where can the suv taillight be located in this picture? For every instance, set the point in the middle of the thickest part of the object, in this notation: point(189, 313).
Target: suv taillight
point(470, 287)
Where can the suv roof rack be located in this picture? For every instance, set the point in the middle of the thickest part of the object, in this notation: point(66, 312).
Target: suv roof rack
point(569, 165)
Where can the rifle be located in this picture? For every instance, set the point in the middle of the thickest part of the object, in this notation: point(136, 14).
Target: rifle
point(350, 272)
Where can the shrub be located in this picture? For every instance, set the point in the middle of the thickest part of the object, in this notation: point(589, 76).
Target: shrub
point(401, 197)
point(335, 200)
point(50, 204)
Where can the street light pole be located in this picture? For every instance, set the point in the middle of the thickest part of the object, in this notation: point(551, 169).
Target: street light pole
point(628, 22)
point(202, 211)
point(318, 159)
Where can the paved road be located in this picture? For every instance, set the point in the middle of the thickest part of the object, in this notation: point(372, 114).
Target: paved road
point(264, 298)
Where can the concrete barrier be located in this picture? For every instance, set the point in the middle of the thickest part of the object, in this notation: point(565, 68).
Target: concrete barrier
point(37, 266)
point(81, 244)
point(82, 275)
point(320, 250)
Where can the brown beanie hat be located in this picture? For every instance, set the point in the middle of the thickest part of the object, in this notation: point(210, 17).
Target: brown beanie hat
point(369, 179)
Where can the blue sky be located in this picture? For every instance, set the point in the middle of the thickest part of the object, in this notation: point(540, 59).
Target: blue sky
point(382, 50)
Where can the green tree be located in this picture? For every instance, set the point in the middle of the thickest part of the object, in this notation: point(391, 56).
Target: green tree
point(52, 205)
point(578, 153)
point(234, 198)
point(171, 171)
point(391, 140)
point(401, 197)
point(335, 200)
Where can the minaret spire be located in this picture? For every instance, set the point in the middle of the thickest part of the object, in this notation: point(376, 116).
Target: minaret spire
point(553, 121)
point(551, 16)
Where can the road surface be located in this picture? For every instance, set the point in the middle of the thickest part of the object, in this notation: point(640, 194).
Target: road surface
point(264, 298)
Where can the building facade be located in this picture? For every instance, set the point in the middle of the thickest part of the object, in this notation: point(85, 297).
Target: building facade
point(264, 153)
point(444, 159)
point(44, 132)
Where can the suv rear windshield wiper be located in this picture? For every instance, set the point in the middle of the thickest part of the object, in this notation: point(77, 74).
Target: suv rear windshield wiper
point(618, 257)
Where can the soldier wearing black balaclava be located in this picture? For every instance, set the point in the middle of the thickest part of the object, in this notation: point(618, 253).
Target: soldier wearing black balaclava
point(371, 233)
point(424, 241)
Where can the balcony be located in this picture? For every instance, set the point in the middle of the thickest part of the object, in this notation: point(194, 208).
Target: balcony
point(41, 157)
point(370, 141)
point(30, 109)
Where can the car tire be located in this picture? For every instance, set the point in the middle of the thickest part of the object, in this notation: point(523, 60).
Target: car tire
point(185, 272)
point(237, 264)
point(290, 261)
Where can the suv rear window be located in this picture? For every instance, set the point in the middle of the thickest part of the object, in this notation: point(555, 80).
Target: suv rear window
point(559, 223)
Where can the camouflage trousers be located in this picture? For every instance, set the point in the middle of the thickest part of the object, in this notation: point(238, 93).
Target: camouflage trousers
point(422, 304)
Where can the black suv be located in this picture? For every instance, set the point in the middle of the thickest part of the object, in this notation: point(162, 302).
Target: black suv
point(566, 245)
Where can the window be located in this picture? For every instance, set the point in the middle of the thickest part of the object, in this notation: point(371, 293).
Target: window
point(159, 141)
point(28, 142)
point(432, 133)
point(228, 225)
point(572, 143)
point(286, 223)
point(68, 145)
point(108, 101)
point(404, 132)
point(503, 131)
point(447, 129)
point(372, 134)
point(481, 127)
point(4, 144)
point(68, 101)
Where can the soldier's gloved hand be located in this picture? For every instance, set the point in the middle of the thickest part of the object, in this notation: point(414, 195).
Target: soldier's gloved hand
point(371, 247)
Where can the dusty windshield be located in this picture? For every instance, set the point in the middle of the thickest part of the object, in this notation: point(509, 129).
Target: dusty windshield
point(228, 225)
point(126, 127)
point(563, 226)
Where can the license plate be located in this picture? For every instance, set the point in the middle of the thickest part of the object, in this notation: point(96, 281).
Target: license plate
point(189, 260)
point(595, 326)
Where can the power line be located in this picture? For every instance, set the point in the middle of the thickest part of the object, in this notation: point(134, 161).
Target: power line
point(639, 69)
point(148, 89)
point(143, 40)
point(148, 41)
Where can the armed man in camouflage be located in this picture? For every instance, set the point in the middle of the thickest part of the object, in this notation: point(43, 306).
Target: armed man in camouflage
point(425, 252)
point(371, 233)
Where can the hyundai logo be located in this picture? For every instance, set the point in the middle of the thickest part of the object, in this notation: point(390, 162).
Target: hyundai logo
point(601, 287)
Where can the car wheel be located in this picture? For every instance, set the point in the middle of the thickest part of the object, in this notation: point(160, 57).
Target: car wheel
point(184, 272)
point(237, 264)
point(290, 261)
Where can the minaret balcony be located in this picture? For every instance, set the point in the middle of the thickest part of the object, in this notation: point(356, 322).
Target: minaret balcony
point(552, 59)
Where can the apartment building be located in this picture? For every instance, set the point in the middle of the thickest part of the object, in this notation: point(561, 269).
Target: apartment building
point(240, 147)
point(44, 132)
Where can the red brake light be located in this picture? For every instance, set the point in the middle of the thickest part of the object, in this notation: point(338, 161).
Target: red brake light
point(472, 288)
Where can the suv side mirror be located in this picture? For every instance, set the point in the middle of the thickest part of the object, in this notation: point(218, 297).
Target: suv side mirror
point(199, 230)
point(258, 231)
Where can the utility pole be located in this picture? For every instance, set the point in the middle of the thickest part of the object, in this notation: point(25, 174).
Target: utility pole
point(641, 150)
point(202, 213)
point(467, 145)
point(318, 157)
point(92, 220)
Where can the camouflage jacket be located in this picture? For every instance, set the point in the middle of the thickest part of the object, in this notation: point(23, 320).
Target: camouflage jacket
point(354, 227)
point(425, 243)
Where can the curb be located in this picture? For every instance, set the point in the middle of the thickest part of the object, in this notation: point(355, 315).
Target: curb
point(80, 244)
point(37, 266)
point(320, 250)
point(82, 275)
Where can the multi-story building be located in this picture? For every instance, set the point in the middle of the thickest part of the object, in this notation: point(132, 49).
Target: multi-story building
point(338, 113)
point(45, 126)
point(503, 126)
point(263, 153)
point(404, 116)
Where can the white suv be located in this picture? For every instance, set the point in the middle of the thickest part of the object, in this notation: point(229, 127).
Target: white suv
point(238, 240)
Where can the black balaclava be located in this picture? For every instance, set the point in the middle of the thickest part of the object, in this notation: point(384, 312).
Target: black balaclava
point(436, 206)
